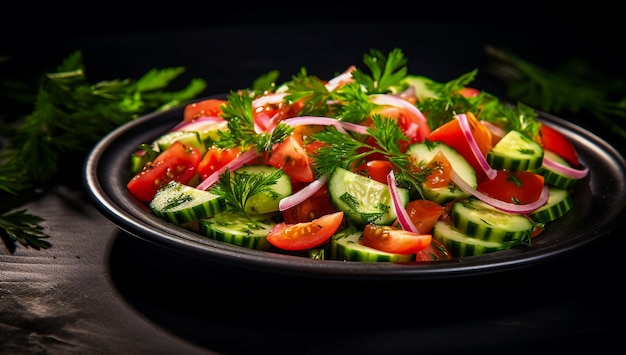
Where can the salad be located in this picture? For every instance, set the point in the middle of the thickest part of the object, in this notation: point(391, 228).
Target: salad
point(375, 165)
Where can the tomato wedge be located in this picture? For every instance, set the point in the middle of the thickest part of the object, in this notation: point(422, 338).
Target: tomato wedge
point(215, 158)
point(312, 208)
point(556, 142)
point(291, 156)
point(520, 187)
point(179, 162)
point(451, 134)
point(393, 240)
point(305, 235)
point(424, 214)
point(208, 107)
point(435, 251)
point(376, 169)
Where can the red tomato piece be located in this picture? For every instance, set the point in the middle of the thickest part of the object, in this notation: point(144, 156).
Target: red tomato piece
point(519, 187)
point(312, 208)
point(215, 158)
point(305, 235)
point(424, 214)
point(179, 162)
point(468, 92)
point(441, 171)
point(292, 157)
point(435, 251)
point(208, 107)
point(451, 134)
point(393, 240)
point(376, 169)
point(556, 142)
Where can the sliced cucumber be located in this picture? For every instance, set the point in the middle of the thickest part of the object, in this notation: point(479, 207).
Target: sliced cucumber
point(266, 202)
point(180, 204)
point(142, 156)
point(421, 84)
point(362, 199)
point(515, 151)
point(481, 221)
point(559, 203)
point(191, 138)
point(554, 178)
point(345, 245)
point(238, 229)
point(421, 155)
point(461, 245)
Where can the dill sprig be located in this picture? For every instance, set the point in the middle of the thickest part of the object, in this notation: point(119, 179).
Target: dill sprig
point(69, 115)
point(238, 186)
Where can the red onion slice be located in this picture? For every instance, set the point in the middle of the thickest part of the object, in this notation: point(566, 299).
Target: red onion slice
point(403, 216)
point(198, 124)
point(467, 131)
point(565, 170)
point(325, 121)
point(302, 195)
point(499, 204)
point(412, 110)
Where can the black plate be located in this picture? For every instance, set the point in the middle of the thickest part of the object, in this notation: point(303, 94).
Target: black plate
point(599, 203)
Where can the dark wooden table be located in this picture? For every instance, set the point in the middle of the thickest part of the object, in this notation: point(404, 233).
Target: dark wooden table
point(100, 290)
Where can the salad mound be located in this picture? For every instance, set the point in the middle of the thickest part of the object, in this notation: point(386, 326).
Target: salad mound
point(373, 165)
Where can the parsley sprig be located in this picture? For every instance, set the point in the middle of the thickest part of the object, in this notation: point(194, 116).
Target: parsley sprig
point(68, 115)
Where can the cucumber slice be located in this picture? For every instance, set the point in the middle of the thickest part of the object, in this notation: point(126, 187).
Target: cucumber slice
point(238, 229)
point(515, 151)
point(461, 245)
point(553, 178)
point(142, 156)
point(180, 204)
point(421, 85)
point(559, 203)
point(363, 200)
point(266, 202)
point(191, 138)
point(421, 154)
point(345, 246)
point(481, 221)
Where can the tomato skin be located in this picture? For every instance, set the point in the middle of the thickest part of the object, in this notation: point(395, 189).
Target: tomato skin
point(424, 214)
point(468, 92)
point(451, 134)
point(441, 172)
point(208, 107)
point(376, 169)
point(312, 208)
point(393, 240)
point(215, 158)
point(435, 251)
point(179, 162)
point(305, 235)
point(291, 156)
point(520, 187)
point(556, 142)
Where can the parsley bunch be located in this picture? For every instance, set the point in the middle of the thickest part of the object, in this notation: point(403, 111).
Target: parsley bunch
point(69, 115)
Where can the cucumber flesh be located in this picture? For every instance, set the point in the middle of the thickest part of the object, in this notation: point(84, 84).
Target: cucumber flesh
point(516, 151)
point(363, 200)
point(180, 204)
point(238, 229)
point(461, 245)
point(559, 203)
point(422, 154)
point(345, 246)
point(481, 221)
point(191, 138)
point(266, 202)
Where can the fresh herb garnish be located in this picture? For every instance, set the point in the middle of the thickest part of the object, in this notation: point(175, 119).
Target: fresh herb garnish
point(570, 88)
point(70, 115)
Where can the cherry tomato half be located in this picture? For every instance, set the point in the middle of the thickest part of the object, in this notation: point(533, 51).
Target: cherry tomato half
point(305, 235)
point(179, 162)
point(208, 107)
point(556, 142)
point(393, 240)
point(520, 187)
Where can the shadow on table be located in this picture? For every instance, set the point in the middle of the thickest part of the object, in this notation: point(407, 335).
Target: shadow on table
point(233, 311)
